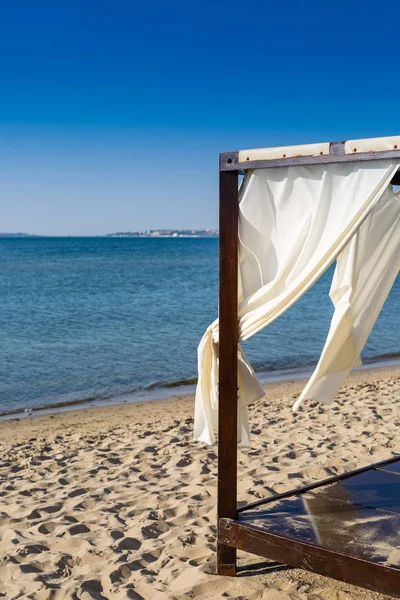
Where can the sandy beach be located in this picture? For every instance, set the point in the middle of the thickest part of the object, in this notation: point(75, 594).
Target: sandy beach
point(119, 502)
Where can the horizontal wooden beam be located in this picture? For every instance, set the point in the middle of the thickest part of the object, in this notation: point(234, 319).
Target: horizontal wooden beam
point(304, 555)
point(229, 161)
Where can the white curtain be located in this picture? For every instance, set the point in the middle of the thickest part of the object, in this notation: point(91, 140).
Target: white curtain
point(364, 274)
point(293, 223)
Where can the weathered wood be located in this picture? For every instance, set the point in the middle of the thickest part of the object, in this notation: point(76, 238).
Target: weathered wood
point(228, 334)
point(229, 161)
point(227, 436)
point(307, 556)
point(335, 524)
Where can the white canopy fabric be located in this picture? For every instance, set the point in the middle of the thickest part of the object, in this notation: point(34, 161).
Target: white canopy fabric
point(293, 223)
point(364, 274)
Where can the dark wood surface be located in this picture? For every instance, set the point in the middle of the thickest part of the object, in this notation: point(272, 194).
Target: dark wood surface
point(297, 553)
point(359, 531)
point(374, 488)
point(348, 528)
point(228, 334)
point(392, 468)
point(383, 464)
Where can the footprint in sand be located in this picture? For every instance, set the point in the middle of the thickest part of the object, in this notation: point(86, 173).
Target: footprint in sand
point(116, 535)
point(114, 461)
point(186, 461)
point(32, 549)
point(151, 557)
point(33, 567)
point(153, 531)
point(132, 595)
point(64, 566)
point(94, 588)
point(52, 508)
point(78, 529)
point(4, 518)
point(88, 504)
point(125, 571)
point(129, 543)
point(47, 528)
point(77, 492)
point(71, 519)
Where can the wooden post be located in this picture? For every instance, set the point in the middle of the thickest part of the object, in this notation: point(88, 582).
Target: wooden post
point(228, 340)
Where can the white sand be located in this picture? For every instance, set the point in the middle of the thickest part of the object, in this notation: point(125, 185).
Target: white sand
point(118, 502)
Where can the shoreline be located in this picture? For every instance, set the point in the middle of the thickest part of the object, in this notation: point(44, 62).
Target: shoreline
point(274, 386)
point(154, 393)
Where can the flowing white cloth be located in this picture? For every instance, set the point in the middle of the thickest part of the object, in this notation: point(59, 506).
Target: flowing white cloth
point(364, 274)
point(293, 223)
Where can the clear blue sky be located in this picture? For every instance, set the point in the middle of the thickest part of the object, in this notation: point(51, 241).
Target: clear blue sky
point(113, 112)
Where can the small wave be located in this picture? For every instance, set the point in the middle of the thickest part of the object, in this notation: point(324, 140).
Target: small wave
point(180, 383)
point(53, 405)
point(153, 391)
point(381, 357)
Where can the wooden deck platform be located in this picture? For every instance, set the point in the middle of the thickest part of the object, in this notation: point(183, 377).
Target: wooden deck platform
point(346, 527)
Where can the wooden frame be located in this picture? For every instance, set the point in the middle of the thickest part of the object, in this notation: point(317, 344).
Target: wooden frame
point(232, 532)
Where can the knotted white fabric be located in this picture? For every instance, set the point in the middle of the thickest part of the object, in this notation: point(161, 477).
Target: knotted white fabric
point(293, 223)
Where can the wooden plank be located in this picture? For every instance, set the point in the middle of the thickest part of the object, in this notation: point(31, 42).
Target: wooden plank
point(363, 532)
point(230, 160)
point(228, 334)
point(307, 556)
point(318, 484)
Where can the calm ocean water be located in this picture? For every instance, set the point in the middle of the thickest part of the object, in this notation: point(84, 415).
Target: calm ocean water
point(105, 318)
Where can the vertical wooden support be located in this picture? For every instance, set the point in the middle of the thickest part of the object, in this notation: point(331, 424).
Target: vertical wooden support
point(228, 340)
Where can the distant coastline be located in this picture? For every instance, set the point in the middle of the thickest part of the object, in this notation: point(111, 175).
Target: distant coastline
point(19, 235)
point(173, 233)
point(149, 233)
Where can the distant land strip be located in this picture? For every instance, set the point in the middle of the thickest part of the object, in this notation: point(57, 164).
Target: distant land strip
point(174, 233)
point(150, 233)
point(19, 235)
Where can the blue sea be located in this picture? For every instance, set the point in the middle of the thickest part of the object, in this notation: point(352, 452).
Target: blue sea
point(119, 319)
